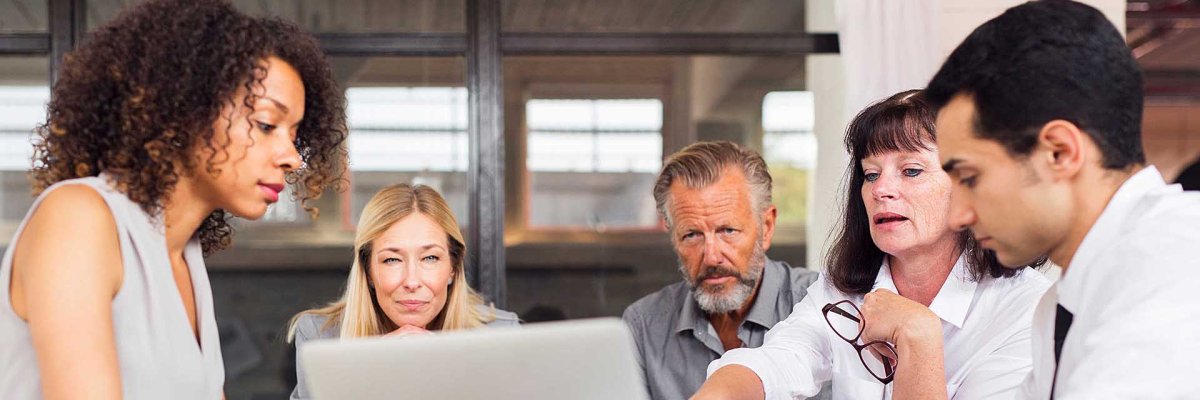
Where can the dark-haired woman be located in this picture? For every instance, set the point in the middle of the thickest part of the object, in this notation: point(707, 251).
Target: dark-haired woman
point(907, 308)
point(169, 119)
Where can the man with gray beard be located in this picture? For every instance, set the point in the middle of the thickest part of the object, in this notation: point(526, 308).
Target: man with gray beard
point(715, 198)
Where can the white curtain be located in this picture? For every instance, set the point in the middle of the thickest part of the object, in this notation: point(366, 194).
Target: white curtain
point(887, 46)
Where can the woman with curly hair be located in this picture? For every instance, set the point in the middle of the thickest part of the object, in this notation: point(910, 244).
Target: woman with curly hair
point(163, 124)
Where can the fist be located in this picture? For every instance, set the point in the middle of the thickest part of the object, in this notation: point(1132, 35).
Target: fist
point(891, 317)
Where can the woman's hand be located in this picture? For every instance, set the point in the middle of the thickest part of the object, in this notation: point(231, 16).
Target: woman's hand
point(917, 334)
point(409, 330)
point(891, 317)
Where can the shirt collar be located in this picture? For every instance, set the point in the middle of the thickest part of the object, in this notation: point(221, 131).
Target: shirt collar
point(1107, 227)
point(953, 300)
point(762, 311)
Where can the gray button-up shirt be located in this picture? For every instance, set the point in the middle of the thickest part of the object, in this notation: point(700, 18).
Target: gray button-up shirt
point(676, 342)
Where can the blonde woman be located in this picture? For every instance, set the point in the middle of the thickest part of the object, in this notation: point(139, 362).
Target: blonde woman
point(407, 277)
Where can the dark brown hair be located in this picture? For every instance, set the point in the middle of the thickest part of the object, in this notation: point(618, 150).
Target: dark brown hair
point(902, 122)
point(142, 94)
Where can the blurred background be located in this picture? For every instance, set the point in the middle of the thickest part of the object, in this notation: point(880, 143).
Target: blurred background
point(544, 123)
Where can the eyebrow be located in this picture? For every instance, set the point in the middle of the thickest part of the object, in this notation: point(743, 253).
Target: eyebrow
point(277, 104)
point(950, 165)
point(398, 250)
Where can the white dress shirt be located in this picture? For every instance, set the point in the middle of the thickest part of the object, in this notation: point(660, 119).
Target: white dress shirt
point(986, 326)
point(1131, 287)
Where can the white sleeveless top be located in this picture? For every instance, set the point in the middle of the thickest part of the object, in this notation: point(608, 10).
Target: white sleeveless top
point(156, 348)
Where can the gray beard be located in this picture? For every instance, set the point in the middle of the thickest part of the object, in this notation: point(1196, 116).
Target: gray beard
point(713, 301)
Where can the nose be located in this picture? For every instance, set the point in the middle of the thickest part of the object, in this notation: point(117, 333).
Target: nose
point(962, 216)
point(411, 282)
point(712, 251)
point(884, 187)
point(288, 158)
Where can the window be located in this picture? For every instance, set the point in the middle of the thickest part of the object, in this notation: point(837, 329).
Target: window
point(408, 134)
point(23, 97)
point(591, 161)
point(790, 150)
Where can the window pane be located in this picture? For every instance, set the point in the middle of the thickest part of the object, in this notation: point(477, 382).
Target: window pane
point(24, 92)
point(663, 16)
point(589, 161)
point(790, 150)
point(342, 16)
point(408, 134)
point(24, 16)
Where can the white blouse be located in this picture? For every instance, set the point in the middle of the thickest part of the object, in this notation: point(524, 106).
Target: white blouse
point(986, 325)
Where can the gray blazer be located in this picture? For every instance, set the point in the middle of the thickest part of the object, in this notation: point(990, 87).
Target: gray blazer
point(309, 327)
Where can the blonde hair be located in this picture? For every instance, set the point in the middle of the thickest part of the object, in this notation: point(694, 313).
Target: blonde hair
point(356, 313)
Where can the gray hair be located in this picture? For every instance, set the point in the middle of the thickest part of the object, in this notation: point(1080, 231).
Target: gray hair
point(701, 164)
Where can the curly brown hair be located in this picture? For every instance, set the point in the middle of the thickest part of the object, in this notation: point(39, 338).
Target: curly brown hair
point(142, 94)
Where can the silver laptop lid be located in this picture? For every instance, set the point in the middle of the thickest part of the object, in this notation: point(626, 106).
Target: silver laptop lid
point(580, 359)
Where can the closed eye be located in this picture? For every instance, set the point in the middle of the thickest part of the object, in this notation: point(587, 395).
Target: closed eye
point(265, 127)
point(967, 181)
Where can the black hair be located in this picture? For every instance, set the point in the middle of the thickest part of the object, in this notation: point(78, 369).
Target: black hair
point(1043, 61)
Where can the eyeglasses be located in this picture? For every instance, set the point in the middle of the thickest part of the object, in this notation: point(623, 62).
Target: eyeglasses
point(878, 356)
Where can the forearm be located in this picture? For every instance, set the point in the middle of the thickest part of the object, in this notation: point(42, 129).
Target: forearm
point(732, 382)
point(921, 373)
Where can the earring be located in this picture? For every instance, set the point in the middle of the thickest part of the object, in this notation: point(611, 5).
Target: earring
point(450, 282)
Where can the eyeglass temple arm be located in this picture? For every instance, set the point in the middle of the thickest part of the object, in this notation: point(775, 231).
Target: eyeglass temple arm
point(839, 311)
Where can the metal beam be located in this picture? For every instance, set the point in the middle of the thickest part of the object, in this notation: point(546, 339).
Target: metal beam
point(667, 43)
point(67, 21)
point(393, 44)
point(485, 171)
point(24, 44)
point(453, 44)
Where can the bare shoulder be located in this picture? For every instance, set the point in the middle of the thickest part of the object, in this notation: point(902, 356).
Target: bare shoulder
point(66, 272)
point(78, 201)
point(71, 234)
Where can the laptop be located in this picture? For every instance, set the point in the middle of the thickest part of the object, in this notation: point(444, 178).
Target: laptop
point(579, 359)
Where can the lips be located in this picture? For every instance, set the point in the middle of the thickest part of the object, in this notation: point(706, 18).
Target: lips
point(412, 305)
point(887, 217)
point(717, 280)
point(271, 190)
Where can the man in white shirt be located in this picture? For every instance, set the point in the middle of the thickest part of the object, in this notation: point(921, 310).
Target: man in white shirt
point(1039, 127)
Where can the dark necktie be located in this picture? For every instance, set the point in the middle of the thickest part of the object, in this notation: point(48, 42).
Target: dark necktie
point(1062, 324)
